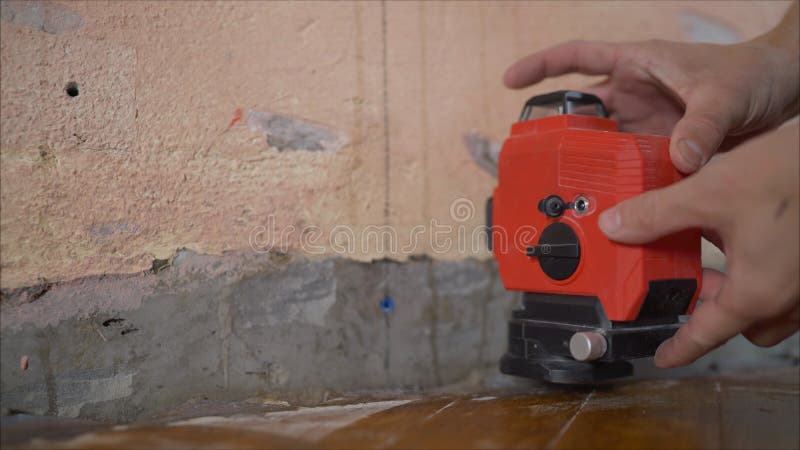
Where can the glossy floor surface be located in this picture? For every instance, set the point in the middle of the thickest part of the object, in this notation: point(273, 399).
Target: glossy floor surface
point(747, 410)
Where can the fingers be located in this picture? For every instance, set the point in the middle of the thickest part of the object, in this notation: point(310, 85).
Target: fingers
point(710, 326)
point(714, 322)
point(698, 135)
point(602, 90)
point(654, 214)
point(591, 58)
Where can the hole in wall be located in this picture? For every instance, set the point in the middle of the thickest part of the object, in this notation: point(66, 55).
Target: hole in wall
point(72, 89)
point(159, 265)
point(114, 322)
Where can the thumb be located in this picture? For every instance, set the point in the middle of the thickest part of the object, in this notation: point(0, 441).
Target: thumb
point(654, 214)
point(698, 135)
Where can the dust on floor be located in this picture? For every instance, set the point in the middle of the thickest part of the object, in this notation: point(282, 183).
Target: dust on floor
point(744, 410)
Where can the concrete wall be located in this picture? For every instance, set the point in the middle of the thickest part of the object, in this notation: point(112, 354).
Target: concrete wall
point(150, 153)
point(265, 325)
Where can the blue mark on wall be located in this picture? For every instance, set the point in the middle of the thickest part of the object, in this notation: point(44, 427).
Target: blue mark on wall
point(387, 304)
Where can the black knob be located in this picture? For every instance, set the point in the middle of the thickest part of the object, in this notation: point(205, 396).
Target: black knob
point(558, 251)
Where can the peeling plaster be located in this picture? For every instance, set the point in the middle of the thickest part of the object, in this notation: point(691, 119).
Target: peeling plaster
point(84, 387)
point(483, 151)
point(55, 302)
point(285, 133)
point(44, 16)
point(110, 230)
point(306, 299)
point(145, 140)
point(49, 303)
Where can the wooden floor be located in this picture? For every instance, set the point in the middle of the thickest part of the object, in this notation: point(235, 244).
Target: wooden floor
point(757, 410)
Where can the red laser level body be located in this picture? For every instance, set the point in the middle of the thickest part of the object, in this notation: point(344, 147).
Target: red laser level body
point(590, 304)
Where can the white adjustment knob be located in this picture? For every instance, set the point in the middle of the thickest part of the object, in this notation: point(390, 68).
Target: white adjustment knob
point(587, 345)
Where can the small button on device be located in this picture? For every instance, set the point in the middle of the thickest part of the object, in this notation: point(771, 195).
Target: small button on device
point(552, 206)
point(581, 205)
point(587, 346)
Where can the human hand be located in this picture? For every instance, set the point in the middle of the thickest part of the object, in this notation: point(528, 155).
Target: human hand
point(706, 96)
point(747, 203)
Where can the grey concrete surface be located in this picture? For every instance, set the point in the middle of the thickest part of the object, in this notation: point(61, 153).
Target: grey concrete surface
point(267, 325)
point(245, 325)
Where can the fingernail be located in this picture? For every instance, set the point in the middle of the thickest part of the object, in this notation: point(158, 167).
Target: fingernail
point(691, 152)
point(610, 221)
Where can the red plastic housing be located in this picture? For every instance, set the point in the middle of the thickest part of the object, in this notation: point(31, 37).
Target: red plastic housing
point(573, 156)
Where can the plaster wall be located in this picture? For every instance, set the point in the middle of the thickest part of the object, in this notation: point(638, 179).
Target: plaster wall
point(203, 126)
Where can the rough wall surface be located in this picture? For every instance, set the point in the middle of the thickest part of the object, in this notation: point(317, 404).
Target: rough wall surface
point(268, 326)
point(195, 125)
point(210, 327)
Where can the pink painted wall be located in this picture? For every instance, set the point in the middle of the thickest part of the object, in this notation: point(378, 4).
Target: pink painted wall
point(156, 152)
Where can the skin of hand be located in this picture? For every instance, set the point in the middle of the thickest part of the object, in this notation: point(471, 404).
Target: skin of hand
point(747, 200)
point(709, 97)
point(705, 96)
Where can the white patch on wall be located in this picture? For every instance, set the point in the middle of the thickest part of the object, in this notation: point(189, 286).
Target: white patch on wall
point(43, 16)
point(284, 133)
point(484, 152)
point(76, 389)
point(305, 295)
point(310, 307)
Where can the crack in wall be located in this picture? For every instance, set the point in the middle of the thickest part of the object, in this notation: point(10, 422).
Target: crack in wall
point(50, 382)
point(487, 265)
point(434, 323)
point(225, 323)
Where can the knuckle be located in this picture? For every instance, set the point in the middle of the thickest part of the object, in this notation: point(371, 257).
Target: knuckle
point(710, 128)
point(693, 338)
point(690, 343)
